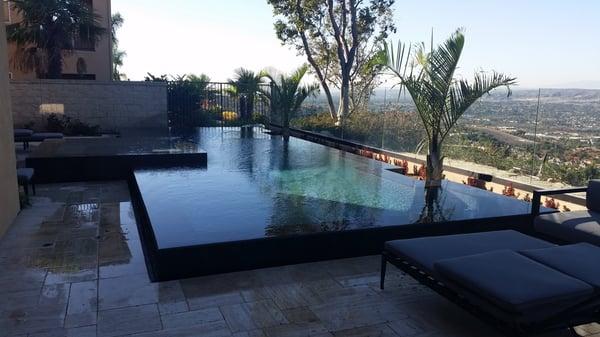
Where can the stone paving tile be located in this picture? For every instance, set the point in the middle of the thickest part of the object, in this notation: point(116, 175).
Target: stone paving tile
point(285, 296)
point(129, 320)
point(126, 291)
point(440, 316)
point(214, 285)
point(86, 331)
point(254, 315)
point(38, 318)
point(200, 302)
point(83, 304)
point(191, 318)
point(30, 279)
point(380, 330)
point(26, 298)
point(407, 327)
point(55, 294)
point(344, 297)
point(336, 317)
point(71, 274)
point(295, 330)
point(213, 329)
point(300, 315)
point(252, 333)
point(171, 299)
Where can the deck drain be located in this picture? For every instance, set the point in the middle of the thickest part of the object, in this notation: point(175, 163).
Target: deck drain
point(48, 245)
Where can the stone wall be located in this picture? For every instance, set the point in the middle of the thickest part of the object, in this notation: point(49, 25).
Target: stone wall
point(111, 105)
point(9, 195)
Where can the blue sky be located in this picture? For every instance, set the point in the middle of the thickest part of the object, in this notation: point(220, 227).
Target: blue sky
point(549, 43)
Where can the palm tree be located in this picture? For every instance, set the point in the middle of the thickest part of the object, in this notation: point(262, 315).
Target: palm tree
point(440, 99)
point(286, 94)
point(245, 86)
point(117, 54)
point(48, 30)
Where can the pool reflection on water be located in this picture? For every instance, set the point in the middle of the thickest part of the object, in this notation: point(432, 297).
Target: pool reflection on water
point(261, 185)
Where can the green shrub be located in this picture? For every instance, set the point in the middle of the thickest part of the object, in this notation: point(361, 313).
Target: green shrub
point(392, 130)
point(70, 126)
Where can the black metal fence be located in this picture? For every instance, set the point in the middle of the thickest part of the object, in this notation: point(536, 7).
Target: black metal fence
point(198, 103)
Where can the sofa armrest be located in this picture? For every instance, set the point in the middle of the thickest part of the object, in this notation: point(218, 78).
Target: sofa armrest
point(537, 196)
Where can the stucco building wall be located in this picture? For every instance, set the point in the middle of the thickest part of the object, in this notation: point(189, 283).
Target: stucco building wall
point(9, 194)
point(111, 105)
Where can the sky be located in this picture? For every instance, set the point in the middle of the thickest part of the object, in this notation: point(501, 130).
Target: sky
point(544, 43)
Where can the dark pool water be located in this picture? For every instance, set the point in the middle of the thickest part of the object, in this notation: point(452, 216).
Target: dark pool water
point(259, 185)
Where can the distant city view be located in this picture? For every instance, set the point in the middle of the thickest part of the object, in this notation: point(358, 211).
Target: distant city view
point(499, 131)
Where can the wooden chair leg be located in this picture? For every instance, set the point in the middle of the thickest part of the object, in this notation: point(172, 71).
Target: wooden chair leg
point(33, 188)
point(26, 188)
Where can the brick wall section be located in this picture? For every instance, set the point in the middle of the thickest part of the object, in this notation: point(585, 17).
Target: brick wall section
point(111, 105)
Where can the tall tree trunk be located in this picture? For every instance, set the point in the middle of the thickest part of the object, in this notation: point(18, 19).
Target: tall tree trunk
point(435, 165)
point(243, 106)
point(313, 62)
point(54, 54)
point(250, 107)
point(429, 211)
point(344, 108)
point(286, 123)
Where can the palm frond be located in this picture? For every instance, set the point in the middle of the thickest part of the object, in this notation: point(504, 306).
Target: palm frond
point(287, 93)
point(463, 94)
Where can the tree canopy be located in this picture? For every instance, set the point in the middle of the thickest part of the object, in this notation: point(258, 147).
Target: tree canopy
point(340, 39)
point(117, 54)
point(49, 29)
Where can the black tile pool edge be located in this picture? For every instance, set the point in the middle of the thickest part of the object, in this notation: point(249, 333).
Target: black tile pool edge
point(200, 260)
point(115, 167)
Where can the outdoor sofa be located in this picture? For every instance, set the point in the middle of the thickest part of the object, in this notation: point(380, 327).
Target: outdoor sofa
point(520, 284)
point(575, 226)
point(26, 136)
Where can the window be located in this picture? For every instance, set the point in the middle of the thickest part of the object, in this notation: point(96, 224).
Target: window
point(83, 42)
point(6, 10)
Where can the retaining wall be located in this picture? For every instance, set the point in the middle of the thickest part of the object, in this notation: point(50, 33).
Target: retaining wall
point(111, 105)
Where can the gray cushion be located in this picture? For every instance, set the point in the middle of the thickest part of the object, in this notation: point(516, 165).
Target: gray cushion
point(579, 261)
point(424, 252)
point(23, 133)
point(24, 175)
point(41, 136)
point(593, 195)
point(578, 226)
point(513, 282)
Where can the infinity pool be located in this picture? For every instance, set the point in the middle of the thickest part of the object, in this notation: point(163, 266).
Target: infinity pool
point(259, 186)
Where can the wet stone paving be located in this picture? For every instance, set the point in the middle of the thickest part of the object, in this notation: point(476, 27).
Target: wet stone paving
point(72, 265)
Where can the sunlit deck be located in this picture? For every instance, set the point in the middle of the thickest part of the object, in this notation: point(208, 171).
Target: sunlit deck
point(72, 265)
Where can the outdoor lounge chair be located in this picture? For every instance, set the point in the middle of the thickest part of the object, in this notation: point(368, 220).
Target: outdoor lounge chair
point(520, 284)
point(576, 226)
point(25, 179)
point(26, 136)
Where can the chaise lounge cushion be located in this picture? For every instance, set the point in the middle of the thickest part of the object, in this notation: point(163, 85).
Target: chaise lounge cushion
point(579, 261)
point(593, 195)
point(424, 252)
point(24, 175)
point(22, 133)
point(514, 283)
point(577, 226)
point(41, 136)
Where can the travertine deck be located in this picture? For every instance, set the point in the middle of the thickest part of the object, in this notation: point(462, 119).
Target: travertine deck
point(72, 265)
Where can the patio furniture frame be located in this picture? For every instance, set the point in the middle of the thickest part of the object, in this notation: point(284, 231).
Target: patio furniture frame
point(537, 196)
point(566, 319)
